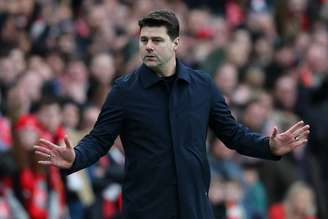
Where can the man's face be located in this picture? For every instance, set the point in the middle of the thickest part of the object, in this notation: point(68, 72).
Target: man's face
point(156, 47)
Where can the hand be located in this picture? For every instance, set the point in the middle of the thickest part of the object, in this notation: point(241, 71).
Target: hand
point(52, 154)
point(295, 136)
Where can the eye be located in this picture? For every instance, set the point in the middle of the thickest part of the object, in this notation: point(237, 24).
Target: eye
point(144, 40)
point(157, 40)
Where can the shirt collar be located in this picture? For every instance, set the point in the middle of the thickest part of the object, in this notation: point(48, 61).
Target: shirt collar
point(149, 77)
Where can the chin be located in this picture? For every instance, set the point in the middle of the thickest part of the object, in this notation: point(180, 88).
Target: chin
point(151, 64)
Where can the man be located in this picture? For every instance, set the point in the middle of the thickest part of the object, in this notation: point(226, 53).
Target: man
point(162, 112)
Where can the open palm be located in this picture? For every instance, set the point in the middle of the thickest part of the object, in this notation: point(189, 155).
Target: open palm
point(52, 154)
point(295, 136)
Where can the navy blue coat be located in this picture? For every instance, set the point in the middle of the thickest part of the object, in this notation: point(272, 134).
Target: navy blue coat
point(161, 130)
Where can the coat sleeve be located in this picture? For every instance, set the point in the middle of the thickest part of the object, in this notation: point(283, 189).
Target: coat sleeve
point(233, 134)
point(107, 127)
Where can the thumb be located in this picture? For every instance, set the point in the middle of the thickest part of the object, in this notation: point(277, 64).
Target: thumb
point(274, 132)
point(67, 142)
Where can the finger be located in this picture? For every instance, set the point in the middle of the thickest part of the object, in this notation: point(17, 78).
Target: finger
point(43, 155)
point(300, 131)
point(67, 143)
point(274, 132)
point(302, 136)
point(295, 127)
point(45, 162)
point(299, 143)
point(41, 149)
point(48, 143)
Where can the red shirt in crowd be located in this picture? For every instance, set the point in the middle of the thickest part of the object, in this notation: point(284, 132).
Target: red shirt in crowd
point(277, 211)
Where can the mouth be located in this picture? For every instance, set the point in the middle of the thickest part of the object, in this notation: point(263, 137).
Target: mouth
point(150, 57)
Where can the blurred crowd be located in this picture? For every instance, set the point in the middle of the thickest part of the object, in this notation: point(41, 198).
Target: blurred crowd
point(58, 59)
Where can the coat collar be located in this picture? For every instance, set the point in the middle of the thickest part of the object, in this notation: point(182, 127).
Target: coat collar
point(149, 77)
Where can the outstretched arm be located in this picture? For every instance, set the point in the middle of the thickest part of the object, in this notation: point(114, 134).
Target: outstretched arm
point(94, 145)
point(240, 138)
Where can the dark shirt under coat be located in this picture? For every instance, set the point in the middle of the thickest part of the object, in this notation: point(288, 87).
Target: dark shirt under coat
point(164, 138)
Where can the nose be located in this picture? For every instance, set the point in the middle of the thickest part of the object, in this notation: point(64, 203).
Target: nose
point(149, 46)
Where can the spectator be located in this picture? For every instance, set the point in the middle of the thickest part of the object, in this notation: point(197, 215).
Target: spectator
point(10, 205)
point(255, 198)
point(299, 203)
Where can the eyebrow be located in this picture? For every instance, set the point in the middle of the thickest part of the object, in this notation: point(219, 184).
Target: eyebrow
point(153, 38)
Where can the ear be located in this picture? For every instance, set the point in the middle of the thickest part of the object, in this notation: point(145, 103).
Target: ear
point(176, 43)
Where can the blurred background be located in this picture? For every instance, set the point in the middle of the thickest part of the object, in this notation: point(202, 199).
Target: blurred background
point(58, 59)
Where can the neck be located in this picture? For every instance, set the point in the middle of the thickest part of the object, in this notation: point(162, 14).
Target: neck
point(166, 70)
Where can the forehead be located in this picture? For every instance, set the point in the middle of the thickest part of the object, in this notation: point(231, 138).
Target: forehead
point(154, 32)
point(50, 107)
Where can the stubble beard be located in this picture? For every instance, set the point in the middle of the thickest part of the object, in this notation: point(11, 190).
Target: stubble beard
point(153, 63)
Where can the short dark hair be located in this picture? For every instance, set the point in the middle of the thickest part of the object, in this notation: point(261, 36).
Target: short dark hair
point(162, 18)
